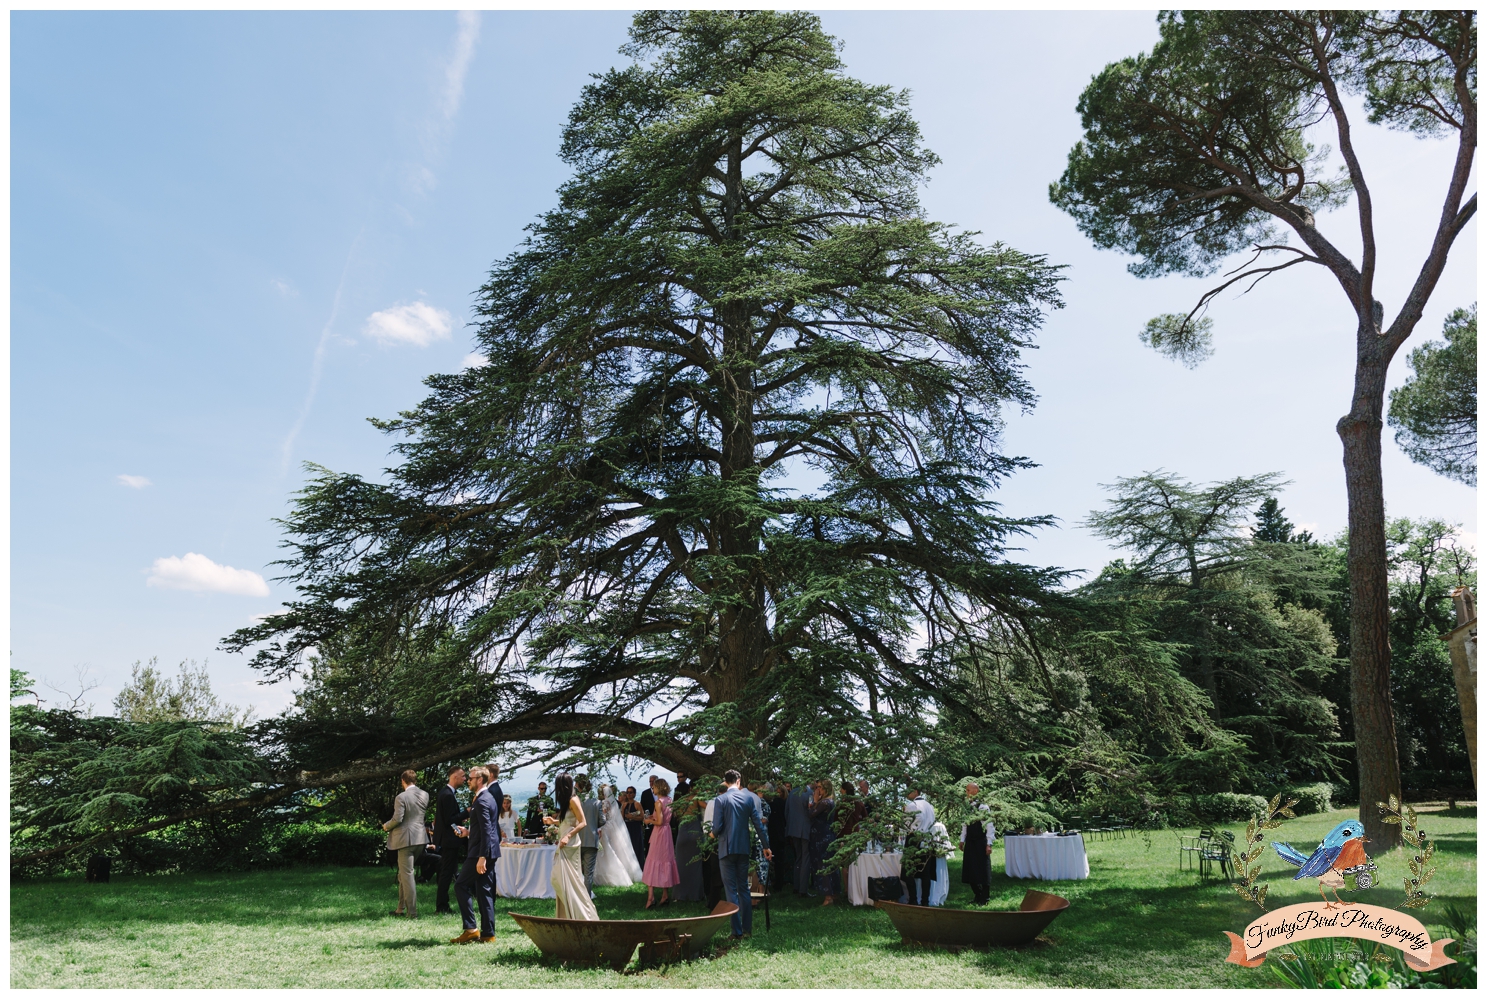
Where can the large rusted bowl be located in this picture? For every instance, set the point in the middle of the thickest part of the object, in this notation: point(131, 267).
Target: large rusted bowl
point(957, 928)
point(613, 941)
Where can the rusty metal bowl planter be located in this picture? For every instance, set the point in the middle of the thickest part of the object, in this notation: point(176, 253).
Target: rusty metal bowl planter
point(955, 929)
point(613, 941)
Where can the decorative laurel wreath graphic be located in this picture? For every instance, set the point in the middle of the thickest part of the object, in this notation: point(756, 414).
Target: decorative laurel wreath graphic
point(1421, 850)
point(1246, 865)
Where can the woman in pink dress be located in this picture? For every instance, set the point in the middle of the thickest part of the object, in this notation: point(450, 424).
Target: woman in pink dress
point(660, 863)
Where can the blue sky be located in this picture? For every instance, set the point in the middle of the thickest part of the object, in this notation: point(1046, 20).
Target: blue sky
point(237, 236)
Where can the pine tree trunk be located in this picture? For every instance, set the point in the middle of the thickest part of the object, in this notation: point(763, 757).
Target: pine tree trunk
point(1368, 583)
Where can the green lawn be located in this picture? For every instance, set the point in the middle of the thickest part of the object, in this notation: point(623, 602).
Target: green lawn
point(1136, 922)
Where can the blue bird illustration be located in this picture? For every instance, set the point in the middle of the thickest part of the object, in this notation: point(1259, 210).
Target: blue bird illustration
point(1342, 849)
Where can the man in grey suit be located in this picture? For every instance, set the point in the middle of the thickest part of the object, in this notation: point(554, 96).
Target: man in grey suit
point(798, 828)
point(734, 812)
point(588, 836)
point(408, 836)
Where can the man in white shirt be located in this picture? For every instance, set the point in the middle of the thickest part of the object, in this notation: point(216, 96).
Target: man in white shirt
point(923, 876)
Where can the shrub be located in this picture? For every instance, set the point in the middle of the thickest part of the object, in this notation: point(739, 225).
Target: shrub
point(1228, 807)
point(337, 844)
point(1311, 798)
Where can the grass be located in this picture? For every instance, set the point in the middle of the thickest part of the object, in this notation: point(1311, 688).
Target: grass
point(1136, 922)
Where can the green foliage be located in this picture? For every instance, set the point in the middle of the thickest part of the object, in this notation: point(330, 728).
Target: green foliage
point(738, 280)
point(1427, 560)
point(1328, 963)
point(1226, 806)
point(1203, 585)
point(150, 696)
point(1201, 148)
point(1346, 963)
point(336, 844)
point(1185, 339)
point(1272, 527)
point(76, 779)
point(1434, 413)
point(1311, 798)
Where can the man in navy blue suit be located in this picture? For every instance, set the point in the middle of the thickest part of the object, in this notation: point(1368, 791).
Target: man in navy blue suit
point(479, 872)
point(733, 812)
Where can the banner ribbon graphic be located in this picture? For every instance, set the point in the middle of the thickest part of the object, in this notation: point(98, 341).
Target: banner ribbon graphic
point(1312, 922)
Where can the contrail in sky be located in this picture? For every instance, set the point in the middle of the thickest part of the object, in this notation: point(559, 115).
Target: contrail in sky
point(435, 132)
point(318, 365)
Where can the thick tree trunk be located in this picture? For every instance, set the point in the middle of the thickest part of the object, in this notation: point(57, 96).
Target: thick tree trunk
point(743, 631)
point(1368, 583)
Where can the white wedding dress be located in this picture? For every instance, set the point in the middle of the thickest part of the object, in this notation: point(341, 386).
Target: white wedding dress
point(616, 866)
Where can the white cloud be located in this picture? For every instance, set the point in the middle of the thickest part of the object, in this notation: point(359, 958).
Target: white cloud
point(419, 324)
point(459, 63)
point(284, 288)
point(475, 360)
point(197, 572)
point(134, 481)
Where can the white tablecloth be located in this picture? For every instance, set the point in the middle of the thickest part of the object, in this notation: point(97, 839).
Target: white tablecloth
point(1047, 857)
point(525, 871)
point(870, 865)
point(886, 865)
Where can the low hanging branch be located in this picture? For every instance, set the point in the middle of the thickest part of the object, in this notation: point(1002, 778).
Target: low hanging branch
point(570, 729)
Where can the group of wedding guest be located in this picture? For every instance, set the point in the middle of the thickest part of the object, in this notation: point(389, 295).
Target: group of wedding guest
point(783, 832)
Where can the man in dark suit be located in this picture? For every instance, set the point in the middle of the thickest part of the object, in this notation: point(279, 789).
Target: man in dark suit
point(735, 811)
point(478, 875)
point(798, 828)
point(494, 787)
point(648, 796)
point(451, 847)
point(538, 805)
point(781, 870)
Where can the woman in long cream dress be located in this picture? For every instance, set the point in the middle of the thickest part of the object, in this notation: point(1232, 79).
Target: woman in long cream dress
point(567, 875)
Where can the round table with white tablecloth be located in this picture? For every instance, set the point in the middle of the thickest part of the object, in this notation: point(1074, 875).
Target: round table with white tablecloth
point(1048, 857)
point(886, 865)
point(870, 865)
point(525, 871)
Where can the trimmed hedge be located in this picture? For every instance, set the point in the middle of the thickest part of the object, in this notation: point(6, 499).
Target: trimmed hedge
point(336, 844)
point(1228, 807)
point(1311, 798)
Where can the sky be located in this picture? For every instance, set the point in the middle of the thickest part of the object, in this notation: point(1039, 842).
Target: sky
point(237, 236)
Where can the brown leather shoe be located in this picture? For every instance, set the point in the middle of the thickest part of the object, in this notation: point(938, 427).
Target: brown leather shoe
point(466, 937)
point(488, 939)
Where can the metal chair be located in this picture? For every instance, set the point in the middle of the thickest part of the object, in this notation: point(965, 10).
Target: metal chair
point(1194, 845)
point(1217, 851)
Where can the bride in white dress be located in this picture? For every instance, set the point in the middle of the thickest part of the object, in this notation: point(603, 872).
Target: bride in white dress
point(616, 866)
